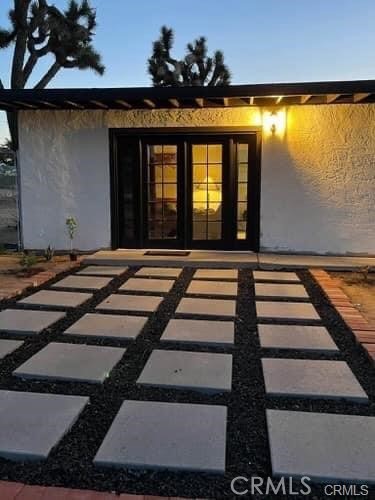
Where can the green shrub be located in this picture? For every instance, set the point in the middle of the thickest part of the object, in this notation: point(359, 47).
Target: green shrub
point(71, 225)
point(28, 260)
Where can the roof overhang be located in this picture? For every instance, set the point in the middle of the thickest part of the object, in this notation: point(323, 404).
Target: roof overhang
point(264, 94)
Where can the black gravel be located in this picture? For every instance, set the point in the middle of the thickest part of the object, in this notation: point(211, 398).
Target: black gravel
point(70, 464)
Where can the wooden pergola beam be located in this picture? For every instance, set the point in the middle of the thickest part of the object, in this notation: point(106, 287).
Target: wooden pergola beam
point(123, 103)
point(7, 105)
point(74, 104)
point(268, 94)
point(149, 103)
point(360, 97)
point(332, 98)
point(49, 104)
point(245, 101)
point(174, 102)
point(99, 104)
point(26, 104)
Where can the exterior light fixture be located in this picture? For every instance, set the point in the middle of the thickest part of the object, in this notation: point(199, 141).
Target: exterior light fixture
point(274, 122)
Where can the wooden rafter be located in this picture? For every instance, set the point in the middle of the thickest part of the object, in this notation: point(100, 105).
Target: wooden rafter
point(149, 103)
point(7, 105)
point(174, 102)
point(123, 103)
point(49, 104)
point(360, 97)
point(99, 104)
point(332, 98)
point(266, 94)
point(244, 101)
point(74, 104)
point(26, 104)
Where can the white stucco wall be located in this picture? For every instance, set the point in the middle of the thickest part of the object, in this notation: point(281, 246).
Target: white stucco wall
point(64, 164)
point(318, 179)
point(318, 182)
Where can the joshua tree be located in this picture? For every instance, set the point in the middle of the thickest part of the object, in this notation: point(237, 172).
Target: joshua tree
point(195, 69)
point(38, 29)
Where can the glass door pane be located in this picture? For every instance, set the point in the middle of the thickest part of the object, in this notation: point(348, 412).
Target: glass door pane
point(162, 192)
point(207, 190)
point(242, 189)
point(128, 196)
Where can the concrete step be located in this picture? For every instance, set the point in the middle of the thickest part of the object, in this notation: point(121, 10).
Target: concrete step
point(219, 259)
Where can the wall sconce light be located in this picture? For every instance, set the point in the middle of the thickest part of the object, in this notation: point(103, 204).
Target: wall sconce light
point(274, 122)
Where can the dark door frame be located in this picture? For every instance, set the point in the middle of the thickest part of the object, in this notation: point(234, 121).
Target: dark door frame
point(179, 240)
point(254, 181)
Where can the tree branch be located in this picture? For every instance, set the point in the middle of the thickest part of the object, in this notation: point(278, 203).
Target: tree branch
point(29, 66)
point(44, 81)
point(35, 54)
point(21, 10)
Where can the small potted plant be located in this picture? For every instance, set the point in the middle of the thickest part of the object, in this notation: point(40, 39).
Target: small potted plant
point(71, 225)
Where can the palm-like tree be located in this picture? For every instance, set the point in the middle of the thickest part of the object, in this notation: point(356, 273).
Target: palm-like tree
point(37, 29)
point(195, 69)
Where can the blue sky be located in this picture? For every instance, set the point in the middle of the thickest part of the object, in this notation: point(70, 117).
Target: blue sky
point(263, 40)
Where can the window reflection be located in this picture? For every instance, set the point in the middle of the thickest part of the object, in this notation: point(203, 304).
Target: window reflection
point(242, 188)
point(162, 191)
point(207, 191)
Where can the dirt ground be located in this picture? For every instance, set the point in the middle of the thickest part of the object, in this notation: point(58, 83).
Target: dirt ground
point(360, 290)
point(13, 281)
point(9, 262)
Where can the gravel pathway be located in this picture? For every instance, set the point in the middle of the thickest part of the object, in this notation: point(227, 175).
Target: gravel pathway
point(71, 462)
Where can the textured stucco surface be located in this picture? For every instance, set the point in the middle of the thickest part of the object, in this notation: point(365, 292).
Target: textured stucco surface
point(318, 179)
point(318, 182)
point(64, 161)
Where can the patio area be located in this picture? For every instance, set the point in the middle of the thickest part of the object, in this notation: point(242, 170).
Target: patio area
point(175, 380)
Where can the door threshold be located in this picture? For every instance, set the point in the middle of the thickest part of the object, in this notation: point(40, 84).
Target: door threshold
point(168, 253)
point(184, 252)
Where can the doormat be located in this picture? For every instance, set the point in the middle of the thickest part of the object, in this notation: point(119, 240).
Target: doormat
point(168, 253)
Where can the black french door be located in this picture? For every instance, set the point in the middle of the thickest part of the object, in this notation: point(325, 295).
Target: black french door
point(163, 196)
point(186, 190)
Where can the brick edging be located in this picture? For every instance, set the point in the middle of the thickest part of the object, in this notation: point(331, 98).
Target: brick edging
point(36, 280)
point(363, 331)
